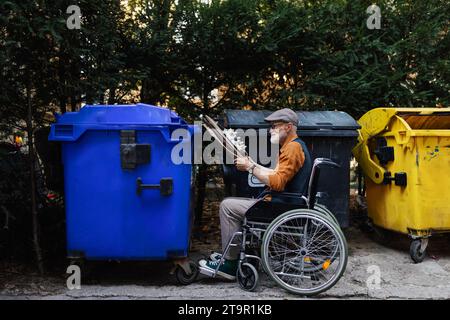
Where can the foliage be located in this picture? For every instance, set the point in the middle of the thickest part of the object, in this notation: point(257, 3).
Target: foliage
point(198, 56)
point(201, 56)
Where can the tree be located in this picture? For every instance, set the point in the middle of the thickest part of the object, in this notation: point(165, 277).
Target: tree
point(44, 65)
point(200, 57)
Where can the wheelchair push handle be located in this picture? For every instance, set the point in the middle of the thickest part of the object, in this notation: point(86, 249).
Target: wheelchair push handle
point(325, 162)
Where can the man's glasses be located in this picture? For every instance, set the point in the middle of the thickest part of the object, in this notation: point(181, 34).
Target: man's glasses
point(276, 125)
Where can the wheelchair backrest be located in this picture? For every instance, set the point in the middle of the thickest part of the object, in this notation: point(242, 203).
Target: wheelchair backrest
point(314, 178)
point(299, 183)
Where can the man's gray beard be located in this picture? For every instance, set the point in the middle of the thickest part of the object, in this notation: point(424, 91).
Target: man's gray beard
point(275, 139)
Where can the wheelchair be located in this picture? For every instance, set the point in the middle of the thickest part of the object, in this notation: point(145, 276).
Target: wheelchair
point(300, 243)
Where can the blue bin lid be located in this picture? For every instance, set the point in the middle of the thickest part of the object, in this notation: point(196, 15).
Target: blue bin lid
point(71, 125)
point(120, 114)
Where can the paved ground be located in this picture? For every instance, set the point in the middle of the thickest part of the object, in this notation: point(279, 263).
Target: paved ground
point(400, 278)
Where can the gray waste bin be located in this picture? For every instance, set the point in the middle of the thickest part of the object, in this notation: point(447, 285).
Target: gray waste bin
point(328, 134)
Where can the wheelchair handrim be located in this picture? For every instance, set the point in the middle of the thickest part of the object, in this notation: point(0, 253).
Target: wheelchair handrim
point(309, 215)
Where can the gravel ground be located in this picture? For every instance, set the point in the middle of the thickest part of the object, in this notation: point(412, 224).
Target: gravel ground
point(399, 277)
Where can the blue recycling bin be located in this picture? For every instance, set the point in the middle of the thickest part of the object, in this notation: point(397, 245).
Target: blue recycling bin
point(125, 197)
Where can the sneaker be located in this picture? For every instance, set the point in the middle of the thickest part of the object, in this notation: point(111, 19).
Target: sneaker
point(226, 270)
point(215, 256)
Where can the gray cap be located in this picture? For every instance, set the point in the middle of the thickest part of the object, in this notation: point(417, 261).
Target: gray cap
point(286, 115)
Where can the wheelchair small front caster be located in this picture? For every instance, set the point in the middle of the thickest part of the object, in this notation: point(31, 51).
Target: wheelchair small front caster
point(184, 275)
point(417, 250)
point(247, 277)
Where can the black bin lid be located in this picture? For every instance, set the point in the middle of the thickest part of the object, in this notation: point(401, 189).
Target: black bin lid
point(311, 123)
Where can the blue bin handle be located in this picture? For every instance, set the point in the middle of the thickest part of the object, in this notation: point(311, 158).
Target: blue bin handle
point(165, 186)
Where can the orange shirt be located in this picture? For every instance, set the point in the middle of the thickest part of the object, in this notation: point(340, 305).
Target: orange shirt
point(290, 161)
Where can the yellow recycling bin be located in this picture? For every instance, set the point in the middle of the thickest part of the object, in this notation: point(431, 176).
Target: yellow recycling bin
point(405, 157)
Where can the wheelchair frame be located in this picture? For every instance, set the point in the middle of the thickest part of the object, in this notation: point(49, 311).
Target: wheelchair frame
point(255, 227)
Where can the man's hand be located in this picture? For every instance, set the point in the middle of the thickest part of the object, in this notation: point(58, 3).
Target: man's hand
point(243, 163)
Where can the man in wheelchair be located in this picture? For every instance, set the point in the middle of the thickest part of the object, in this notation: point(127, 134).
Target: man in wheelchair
point(291, 175)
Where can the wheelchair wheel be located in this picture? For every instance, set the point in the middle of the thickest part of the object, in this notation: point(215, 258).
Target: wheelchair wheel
point(247, 277)
point(304, 252)
point(314, 265)
point(323, 209)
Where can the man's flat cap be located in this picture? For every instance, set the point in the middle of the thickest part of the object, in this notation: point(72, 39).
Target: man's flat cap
point(286, 115)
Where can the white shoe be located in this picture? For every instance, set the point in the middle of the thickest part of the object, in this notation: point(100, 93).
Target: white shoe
point(215, 256)
point(224, 271)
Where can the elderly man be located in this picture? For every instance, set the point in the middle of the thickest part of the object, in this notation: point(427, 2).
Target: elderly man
point(287, 176)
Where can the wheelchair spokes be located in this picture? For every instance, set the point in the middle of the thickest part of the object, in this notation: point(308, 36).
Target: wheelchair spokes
point(304, 252)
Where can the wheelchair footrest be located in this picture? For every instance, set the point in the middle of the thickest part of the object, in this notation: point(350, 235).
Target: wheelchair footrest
point(206, 272)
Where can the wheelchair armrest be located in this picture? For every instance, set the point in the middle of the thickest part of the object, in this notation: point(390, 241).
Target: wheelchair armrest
point(286, 197)
point(288, 194)
point(266, 211)
point(289, 197)
point(263, 194)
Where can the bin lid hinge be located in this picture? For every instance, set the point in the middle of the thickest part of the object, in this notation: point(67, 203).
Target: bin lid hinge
point(132, 153)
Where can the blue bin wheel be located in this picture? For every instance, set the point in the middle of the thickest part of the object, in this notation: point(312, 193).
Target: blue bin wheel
point(184, 278)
